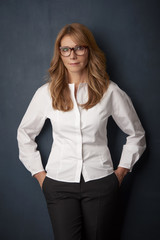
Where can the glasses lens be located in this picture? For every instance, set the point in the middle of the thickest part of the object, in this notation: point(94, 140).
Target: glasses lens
point(80, 50)
point(65, 51)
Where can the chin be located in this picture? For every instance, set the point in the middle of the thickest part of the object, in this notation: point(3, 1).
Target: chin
point(75, 69)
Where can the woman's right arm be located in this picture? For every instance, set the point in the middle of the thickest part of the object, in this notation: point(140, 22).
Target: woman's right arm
point(30, 126)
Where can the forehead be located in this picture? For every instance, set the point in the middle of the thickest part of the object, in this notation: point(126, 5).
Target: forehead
point(68, 41)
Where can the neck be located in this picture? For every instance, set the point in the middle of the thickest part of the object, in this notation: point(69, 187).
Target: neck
point(77, 77)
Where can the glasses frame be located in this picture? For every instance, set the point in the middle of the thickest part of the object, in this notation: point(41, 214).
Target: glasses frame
point(74, 49)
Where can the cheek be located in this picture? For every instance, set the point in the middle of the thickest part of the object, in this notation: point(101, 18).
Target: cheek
point(63, 61)
point(86, 58)
point(86, 61)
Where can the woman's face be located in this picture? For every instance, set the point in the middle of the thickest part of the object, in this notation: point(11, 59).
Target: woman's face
point(73, 63)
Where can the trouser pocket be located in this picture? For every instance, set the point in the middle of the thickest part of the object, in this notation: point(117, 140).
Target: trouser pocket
point(116, 178)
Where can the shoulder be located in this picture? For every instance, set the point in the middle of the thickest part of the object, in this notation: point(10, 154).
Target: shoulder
point(119, 97)
point(44, 89)
point(116, 95)
point(42, 95)
point(43, 92)
point(113, 86)
point(115, 90)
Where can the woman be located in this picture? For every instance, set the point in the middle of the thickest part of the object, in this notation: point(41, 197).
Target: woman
point(79, 183)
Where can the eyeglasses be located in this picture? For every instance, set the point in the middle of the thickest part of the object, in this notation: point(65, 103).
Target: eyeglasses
point(78, 50)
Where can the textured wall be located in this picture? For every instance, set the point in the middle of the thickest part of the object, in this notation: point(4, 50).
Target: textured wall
point(128, 32)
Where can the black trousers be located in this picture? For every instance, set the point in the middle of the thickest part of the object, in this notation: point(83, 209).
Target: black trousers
point(82, 211)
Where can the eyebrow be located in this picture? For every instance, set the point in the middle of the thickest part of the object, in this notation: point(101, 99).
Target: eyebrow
point(72, 47)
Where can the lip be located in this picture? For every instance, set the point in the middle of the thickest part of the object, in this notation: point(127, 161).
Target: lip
point(74, 63)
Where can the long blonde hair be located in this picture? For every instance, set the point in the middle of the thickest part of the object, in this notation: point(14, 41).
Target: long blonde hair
point(98, 79)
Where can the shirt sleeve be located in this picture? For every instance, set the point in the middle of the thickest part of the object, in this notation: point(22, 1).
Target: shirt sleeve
point(126, 118)
point(30, 126)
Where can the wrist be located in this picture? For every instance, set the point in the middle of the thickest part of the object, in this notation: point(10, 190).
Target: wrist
point(39, 175)
point(122, 171)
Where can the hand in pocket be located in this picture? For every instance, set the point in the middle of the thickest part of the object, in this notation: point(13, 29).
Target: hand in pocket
point(40, 177)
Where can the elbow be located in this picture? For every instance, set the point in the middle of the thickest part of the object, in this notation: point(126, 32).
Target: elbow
point(143, 141)
point(18, 132)
point(21, 134)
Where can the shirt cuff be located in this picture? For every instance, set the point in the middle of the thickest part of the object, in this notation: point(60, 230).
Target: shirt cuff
point(128, 158)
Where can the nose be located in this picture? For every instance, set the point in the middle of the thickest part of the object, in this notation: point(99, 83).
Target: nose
point(73, 55)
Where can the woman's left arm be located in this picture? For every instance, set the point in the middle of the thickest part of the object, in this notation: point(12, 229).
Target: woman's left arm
point(125, 116)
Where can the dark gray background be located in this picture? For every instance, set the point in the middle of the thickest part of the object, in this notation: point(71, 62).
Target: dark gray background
point(128, 32)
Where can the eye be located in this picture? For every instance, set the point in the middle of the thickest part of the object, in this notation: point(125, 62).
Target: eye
point(79, 48)
point(65, 49)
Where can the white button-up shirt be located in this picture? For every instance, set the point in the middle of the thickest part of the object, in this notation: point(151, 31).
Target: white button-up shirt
point(80, 135)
